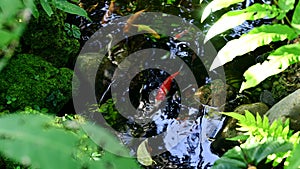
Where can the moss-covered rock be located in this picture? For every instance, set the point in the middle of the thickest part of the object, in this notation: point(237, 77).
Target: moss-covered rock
point(28, 80)
point(45, 36)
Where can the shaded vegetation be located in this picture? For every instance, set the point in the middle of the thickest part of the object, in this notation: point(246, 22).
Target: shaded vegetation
point(36, 82)
point(46, 37)
point(28, 80)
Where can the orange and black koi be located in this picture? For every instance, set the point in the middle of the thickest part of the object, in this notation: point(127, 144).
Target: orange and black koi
point(164, 88)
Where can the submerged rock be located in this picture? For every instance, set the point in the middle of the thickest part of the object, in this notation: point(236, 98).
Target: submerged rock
point(28, 80)
point(259, 107)
point(288, 107)
point(267, 97)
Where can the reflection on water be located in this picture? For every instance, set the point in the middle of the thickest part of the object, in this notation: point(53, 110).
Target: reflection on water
point(179, 129)
point(179, 135)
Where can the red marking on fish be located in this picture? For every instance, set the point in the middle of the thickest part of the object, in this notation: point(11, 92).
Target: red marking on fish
point(181, 34)
point(164, 88)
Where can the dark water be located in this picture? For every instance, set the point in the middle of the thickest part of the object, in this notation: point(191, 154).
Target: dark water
point(181, 129)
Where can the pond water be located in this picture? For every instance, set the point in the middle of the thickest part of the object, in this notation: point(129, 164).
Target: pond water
point(147, 104)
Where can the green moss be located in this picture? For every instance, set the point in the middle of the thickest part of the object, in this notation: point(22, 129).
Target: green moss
point(34, 82)
point(46, 37)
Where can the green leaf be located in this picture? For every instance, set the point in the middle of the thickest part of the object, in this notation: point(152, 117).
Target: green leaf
point(236, 116)
point(293, 161)
point(258, 120)
point(116, 155)
point(143, 155)
point(286, 5)
point(261, 152)
point(294, 138)
point(233, 158)
point(277, 62)
point(257, 37)
point(273, 127)
point(238, 138)
point(265, 122)
point(234, 18)
point(296, 19)
point(170, 1)
point(285, 132)
point(46, 6)
point(217, 5)
point(105, 139)
point(35, 11)
point(70, 8)
point(112, 161)
point(250, 117)
point(29, 140)
point(6, 37)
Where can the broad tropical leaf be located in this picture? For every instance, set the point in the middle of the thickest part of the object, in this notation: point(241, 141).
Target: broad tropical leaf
point(35, 11)
point(296, 18)
point(286, 5)
point(105, 139)
point(293, 161)
point(68, 7)
point(112, 161)
point(250, 153)
point(257, 37)
point(116, 155)
point(217, 5)
point(279, 60)
point(234, 18)
point(233, 158)
point(46, 6)
point(257, 153)
point(29, 140)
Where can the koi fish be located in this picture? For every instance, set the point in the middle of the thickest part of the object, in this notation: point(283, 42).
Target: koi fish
point(148, 30)
point(108, 13)
point(165, 88)
point(131, 20)
point(181, 34)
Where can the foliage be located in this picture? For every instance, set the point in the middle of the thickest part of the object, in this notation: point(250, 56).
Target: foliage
point(111, 114)
point(14, 15)
point(293, 160)
point(72, 30)
point(30, 81)
point(57, 48)
point(143, 155)
point(287, 30)
point(263, 140)
point(63, 5)
point(43, 141)
point(250, 154)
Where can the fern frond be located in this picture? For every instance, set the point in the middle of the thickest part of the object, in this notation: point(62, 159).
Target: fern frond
point(260, 131)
